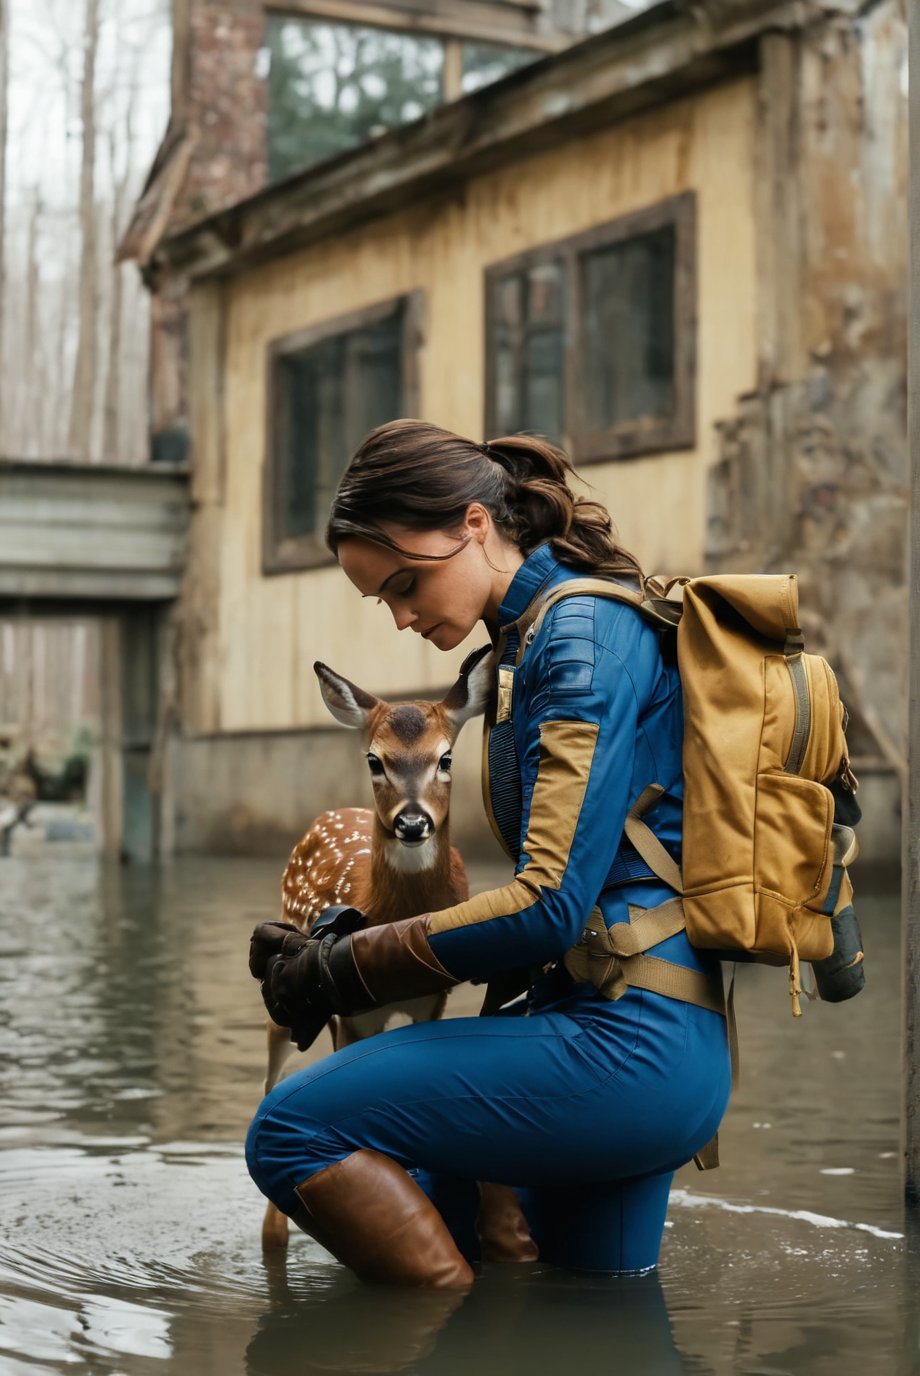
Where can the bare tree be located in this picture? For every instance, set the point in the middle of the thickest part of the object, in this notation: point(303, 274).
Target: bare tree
point(4, 87)
point(85, 367)
point(32, 335)
point(112, 408)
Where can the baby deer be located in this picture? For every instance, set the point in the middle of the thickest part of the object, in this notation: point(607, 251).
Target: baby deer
point(391, 861)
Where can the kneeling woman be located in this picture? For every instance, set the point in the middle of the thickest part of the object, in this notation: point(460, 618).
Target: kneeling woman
point(602, 1084)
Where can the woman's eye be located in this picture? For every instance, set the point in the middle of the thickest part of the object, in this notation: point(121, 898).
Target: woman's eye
point(405, 589)
point(375, 766)
point(445, 762)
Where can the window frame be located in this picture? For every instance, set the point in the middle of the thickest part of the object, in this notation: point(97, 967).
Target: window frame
point(293, 553)
point(631, 438)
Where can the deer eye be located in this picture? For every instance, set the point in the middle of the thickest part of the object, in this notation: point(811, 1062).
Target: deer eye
point(376, 766)
point(444, 763)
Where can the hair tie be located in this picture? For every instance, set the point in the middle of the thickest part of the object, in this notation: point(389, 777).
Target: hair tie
point(483, 448)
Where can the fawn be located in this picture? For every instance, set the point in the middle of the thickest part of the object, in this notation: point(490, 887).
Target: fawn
point(390, 861)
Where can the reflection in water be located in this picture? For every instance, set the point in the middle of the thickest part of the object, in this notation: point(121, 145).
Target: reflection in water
point(132, 1052)
point(512, 1316)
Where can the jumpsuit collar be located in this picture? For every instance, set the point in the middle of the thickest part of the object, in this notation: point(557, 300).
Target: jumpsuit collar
point(533, 575)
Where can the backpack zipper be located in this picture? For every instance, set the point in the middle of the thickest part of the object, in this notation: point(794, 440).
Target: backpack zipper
point(802, 714)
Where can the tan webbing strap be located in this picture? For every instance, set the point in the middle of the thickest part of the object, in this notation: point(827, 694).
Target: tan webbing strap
point(733, 1049)
point(707, 1158)
point(646, 927)
point(675, 981)
point(646, 842)
point(598, 959)
point(591, 961)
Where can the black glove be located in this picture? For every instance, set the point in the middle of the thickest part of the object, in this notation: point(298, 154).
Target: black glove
point(308, 976)
point(267, 941)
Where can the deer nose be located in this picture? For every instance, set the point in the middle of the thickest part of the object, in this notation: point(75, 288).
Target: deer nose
point(412, 827)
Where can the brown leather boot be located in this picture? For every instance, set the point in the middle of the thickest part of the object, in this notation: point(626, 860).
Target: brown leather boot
point(501, 1225)
point(373, 1218)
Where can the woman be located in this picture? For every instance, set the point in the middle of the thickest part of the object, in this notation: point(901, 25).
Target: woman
point(588, 1103)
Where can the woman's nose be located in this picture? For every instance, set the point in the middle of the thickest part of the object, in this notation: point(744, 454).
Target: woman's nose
point(404, 618)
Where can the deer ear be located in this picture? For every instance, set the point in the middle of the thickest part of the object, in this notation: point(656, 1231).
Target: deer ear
point(469, 696)
point(348, 704)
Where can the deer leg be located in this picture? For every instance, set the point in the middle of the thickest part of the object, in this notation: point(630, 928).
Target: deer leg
point(275, 1223)
point(274, 1229)
point(344, 1033)
point(437, 1009)
point(280, 1047)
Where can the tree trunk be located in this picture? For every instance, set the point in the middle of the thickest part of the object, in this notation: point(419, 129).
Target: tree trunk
point(4, 77)
point(33, 351)
point(111, 451)
point(84, 380)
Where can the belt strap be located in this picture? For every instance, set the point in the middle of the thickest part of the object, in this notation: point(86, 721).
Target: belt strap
point(614, 960)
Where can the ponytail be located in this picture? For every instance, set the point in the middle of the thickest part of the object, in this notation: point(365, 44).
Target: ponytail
point(419, 476)
point(542, 506)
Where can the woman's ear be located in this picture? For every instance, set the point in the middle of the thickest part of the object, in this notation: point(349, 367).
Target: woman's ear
point(478, 521)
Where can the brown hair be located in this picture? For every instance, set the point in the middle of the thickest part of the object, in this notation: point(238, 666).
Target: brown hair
point(422, 477)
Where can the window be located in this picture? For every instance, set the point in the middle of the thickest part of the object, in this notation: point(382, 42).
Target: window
point(332, 86)
point(592, 341)
point(327, 388)
point(483, 63)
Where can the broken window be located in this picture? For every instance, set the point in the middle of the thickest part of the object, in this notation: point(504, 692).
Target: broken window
point(332, 85)
point(328, 387)
point(591, 341)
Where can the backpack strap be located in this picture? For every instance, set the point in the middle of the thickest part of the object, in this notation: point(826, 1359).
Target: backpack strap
point(530, 623)
point(646, 842)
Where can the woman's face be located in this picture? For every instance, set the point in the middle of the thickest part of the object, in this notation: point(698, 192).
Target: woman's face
point(443, 599)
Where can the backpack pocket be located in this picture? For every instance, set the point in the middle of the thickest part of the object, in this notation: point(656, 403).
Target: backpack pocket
point(792, 864)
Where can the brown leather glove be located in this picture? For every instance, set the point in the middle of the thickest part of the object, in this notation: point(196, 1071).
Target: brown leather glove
point(306, 977)
point(268, 940)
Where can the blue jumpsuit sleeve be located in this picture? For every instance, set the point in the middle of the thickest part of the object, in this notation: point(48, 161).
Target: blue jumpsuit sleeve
point(587, 691)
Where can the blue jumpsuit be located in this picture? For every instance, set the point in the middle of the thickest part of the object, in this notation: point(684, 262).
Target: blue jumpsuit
point(587, 1105)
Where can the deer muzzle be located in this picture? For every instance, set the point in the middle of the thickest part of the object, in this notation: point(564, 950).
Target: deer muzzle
point(412, 828)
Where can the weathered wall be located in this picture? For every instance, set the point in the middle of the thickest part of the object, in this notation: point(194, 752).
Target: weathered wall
point(256, 792)
point(252, 638)
point(801, 453)
point(258, 759)
point(812, 472)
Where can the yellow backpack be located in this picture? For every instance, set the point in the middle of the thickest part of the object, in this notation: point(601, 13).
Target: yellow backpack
point(763, 874)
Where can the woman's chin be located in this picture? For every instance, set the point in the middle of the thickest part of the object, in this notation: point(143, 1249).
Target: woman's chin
point(446, 637)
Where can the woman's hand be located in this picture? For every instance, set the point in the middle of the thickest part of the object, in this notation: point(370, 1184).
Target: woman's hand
point(266, 941)
point(308, 976)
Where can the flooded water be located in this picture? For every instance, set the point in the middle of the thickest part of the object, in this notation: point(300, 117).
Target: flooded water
point(132, 1055)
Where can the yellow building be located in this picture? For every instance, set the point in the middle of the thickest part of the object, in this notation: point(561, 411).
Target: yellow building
point(676, 247)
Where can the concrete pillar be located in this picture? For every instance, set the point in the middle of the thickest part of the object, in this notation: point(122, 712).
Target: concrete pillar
point(106, 775)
